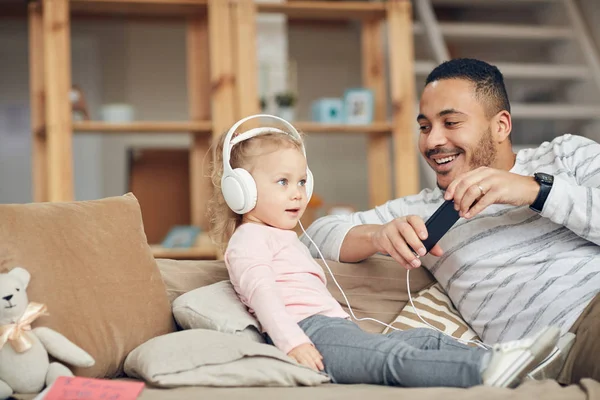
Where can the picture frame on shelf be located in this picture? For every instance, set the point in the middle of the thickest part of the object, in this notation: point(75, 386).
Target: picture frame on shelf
point(181, 237)
point(358, 106)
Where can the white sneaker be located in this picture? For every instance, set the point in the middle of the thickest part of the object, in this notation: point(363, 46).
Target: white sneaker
point(551, 367)
point(512, 361)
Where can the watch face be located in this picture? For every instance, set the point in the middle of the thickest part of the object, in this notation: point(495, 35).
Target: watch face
point(544, 178)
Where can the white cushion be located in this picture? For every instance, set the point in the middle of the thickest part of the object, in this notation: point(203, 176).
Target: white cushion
point(216, 307)
point(200, 357)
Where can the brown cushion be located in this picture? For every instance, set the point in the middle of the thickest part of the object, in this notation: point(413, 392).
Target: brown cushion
point(376, 287)
point(91, 265)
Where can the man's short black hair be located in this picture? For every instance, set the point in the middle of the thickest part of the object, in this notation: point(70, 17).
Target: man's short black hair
point(488, 81)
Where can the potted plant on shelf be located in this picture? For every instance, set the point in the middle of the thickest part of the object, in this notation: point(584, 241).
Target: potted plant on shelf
point(285, 105)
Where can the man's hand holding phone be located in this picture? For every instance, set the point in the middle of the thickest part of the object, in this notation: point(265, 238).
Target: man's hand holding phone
point(398, 237)
point(405, 236)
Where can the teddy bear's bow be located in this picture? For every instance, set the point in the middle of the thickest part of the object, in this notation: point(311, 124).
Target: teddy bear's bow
point(16, 333)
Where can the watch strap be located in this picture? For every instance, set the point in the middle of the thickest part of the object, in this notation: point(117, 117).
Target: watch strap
point(540, 200)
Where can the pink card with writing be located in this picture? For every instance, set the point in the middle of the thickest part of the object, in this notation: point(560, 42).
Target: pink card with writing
point(77, 388)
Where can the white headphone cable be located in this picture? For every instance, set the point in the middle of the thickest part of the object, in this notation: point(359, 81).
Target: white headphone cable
point(340, 288)
point(463, 341)
point(476, 342)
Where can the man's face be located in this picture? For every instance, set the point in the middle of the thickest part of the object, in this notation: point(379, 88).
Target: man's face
point(456, 134)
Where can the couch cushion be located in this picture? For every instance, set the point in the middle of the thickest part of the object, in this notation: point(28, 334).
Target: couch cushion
point(209, 358)
point(91, 265)
point(587, 389)
point(182, 276)
point(375, 287)
point(436, 308)
point(216, 307)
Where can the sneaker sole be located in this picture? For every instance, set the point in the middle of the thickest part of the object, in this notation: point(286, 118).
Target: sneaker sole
point(539, 350)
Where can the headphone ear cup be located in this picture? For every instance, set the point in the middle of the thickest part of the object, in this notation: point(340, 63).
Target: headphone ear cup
point(309, 184)
point(239, 191)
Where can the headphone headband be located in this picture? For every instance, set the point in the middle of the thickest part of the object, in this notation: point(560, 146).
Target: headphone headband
point(229, 142)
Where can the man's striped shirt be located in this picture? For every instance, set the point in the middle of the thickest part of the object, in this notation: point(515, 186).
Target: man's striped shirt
point(509, 270)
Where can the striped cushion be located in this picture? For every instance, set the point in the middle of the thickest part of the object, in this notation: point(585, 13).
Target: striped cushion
point(435, 307)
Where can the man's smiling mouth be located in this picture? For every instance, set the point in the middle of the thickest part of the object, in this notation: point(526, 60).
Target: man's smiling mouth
point(445, 160)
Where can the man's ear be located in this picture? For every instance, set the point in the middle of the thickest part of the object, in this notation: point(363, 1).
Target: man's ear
point(501, 126)
point(21, 274)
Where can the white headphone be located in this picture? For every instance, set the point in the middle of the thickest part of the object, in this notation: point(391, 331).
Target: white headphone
point(237, 185)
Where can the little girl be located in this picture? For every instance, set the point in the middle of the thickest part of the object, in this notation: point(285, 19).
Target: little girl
point(264, 185)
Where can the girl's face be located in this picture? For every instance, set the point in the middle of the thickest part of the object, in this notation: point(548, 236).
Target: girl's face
point(280, 176)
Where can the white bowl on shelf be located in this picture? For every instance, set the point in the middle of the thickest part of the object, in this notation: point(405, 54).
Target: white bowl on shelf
point(117, 113)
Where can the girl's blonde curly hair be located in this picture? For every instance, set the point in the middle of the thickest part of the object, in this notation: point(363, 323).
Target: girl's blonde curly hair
point(223, 221)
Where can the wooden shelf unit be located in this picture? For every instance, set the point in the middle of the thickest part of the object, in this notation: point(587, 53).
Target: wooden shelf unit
point(50, 83)
point(375, 17)
point(138, 8)
point(197, 127)
point(220, 90)
point(315, 127)
point(50, 77)
point(326, 10)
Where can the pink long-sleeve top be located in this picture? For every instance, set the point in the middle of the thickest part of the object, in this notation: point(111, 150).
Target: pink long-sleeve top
point(278, 280)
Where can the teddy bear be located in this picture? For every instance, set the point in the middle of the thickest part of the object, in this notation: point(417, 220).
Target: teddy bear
point(25, 366)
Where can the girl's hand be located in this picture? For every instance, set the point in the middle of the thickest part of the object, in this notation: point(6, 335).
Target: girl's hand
point(307, 355)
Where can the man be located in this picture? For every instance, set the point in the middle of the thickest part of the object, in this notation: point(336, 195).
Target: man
point(526, 253)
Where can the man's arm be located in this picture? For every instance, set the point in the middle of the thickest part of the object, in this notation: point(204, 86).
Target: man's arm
point(345, 238)
point(349, 238)
point(577, 205)
point(358, 243)
point(326, 235)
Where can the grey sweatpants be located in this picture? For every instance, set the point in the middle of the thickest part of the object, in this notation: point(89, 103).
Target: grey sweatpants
point(414, 358)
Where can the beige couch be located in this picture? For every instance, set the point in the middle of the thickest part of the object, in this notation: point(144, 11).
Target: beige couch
point(92, 266)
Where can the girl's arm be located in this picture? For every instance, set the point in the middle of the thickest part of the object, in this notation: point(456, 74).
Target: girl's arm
point(251, 274)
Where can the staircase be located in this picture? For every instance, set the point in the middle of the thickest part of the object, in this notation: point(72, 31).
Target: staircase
point(543, 48)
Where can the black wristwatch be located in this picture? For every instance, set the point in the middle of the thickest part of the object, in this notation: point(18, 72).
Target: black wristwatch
point(546, 181)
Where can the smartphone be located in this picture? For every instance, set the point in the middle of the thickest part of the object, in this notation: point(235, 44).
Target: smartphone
point(439, 223)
